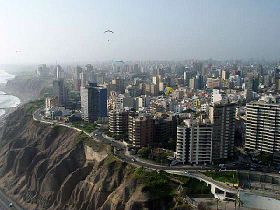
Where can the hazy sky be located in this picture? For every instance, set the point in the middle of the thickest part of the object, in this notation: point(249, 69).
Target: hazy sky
point(72, 30)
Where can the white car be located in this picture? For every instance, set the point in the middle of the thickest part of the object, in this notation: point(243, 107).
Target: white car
point(11, 205)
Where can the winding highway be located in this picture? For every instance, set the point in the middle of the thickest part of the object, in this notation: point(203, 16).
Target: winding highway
point(121, 152)
point(5, 203)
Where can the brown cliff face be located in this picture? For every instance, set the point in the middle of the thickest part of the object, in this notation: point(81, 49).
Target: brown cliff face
point(45, 167)
point(26, 87)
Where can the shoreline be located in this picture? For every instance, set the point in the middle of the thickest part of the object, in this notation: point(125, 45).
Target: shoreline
point(7, 92)
point(8, 110)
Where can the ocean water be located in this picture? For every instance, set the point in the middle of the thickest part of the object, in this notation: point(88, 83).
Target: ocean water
point(4, 76)
point(6, 101)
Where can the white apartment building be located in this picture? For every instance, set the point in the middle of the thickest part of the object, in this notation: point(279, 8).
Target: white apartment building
point(194, 142)
point(263, 127)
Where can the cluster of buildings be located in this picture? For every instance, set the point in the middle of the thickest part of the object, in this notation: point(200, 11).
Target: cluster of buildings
point(207, 108)
point(143, 129)
point(207, 137)
point(91, 100)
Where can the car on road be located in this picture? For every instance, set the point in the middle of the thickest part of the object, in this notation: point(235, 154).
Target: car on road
point(133, 160)
point(174, 162)
point(11, 205)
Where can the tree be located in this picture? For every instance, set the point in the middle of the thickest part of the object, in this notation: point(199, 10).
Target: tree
point(144, 152)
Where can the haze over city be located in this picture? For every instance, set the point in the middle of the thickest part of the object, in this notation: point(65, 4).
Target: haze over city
point(72, 31)
point(131, 105)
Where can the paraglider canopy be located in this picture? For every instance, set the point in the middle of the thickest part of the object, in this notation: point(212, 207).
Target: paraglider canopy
point(109, 32)
point(119, 61)
point(19, 51)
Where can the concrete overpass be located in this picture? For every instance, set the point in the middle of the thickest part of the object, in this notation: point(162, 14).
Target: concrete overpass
point(218, 189)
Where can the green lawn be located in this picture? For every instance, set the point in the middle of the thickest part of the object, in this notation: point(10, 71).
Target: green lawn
point(157, 183)
point(85, 126)
point(150, 154)
point(223, 176)
point(194, 186)
point(32, 106)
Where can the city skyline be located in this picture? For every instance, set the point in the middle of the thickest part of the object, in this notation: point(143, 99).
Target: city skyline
point(46, 32)
point(126, 104)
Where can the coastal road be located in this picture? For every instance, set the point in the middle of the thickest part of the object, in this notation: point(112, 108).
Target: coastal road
point(120, 151)
point(5, 203)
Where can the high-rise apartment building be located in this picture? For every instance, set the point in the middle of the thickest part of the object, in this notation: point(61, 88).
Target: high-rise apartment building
point(102, 106)
point(192, 83)
point(84, 78)
point(87, 75)
point(222, 116)
point(93, 102)
point(196, 83)
point(165, 128)
point(255, 82)
point(277, 79)
point(77, 78)
point(92, 77)
point(100, 77)
point(194, 142)
point(142, 101)
point(118, 122)
point(140, 130)
point(60, 91)
point(89, 68)
point(225, 74)
point(156, 79)
point(197, 66)
point(182, 145)
point(42, 70)
point(136, 68)
point(118, 85)
point(154, 90)
point(263, 127)
point(59, 72)
point(50, 102)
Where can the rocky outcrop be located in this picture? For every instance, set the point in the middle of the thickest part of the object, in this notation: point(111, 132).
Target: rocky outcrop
point(45, 167)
